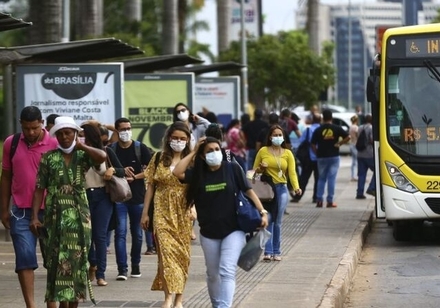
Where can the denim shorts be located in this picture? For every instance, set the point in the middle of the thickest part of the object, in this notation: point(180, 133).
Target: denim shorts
point(24, 241)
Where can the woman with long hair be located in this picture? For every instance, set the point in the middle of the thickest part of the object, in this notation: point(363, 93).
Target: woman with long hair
point(276, 160)
point(211, 188)
point(101, 207)
point(196, 124)
point(172, 223)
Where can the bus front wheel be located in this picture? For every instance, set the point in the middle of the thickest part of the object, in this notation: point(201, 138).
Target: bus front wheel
point(401, 230)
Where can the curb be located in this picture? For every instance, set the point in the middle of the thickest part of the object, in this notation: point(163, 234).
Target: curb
point(337, 290)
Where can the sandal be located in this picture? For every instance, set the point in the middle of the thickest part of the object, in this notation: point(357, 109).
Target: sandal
point(267, 258)
point(276, 258)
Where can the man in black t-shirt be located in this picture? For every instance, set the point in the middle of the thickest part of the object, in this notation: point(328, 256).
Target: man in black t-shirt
point(134, 156)
point(325, 142)
point(251, 131)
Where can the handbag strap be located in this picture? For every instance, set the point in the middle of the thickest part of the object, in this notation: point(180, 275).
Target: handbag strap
point(232, 175)
point(108, 161)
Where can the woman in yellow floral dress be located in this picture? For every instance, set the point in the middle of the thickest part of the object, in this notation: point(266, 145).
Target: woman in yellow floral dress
point(172, 223)
point(67, 217)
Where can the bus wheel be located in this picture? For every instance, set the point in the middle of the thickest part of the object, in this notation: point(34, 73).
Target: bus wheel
point(401, 231)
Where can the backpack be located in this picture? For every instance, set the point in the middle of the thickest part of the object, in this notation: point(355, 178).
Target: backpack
point(362, 142)
point(303, 151)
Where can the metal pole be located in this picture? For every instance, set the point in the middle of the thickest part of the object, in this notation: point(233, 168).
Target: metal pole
point(349, 57)
point(244, 71)
point(66, 21)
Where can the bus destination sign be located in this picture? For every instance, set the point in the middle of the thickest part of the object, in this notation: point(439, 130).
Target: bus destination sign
point(423, 47)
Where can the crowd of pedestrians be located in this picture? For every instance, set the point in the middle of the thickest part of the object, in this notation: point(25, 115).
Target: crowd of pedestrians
point(63, 202)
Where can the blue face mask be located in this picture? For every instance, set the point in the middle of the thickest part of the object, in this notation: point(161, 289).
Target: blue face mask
point(277, 141)
point(214, 158)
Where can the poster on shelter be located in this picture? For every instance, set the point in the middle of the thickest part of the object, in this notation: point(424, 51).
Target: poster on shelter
point(150, 100)
point(82, 91)
point(220, 95)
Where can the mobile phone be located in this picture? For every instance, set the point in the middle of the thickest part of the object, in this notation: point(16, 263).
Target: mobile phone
point(42, 232)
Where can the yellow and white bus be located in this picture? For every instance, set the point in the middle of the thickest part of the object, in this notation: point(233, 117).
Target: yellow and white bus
point(404, 91)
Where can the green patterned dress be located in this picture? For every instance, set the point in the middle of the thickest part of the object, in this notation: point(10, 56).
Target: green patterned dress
point(67, 219)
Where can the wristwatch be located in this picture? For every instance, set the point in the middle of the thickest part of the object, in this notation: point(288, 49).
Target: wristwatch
point(262, 212)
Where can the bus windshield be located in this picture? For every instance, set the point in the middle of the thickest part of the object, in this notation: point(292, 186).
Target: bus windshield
point(413, 108)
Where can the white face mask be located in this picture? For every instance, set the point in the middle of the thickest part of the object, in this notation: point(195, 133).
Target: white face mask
point(69, 149)
point(277, 141)
point(183, 116)
point(125, 135)
point(82, 139)
point(214, 158)
point(177, 146)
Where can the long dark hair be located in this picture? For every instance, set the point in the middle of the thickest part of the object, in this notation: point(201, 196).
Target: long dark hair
point(92, 135)
point(191, 115)
point(199, 170)
point(269, 133)
point(167, 151)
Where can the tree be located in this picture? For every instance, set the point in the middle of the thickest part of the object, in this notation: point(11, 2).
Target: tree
point(46, 18)
point(169, 27)
point(223, 22)
point(283, 69)
point(88, 19)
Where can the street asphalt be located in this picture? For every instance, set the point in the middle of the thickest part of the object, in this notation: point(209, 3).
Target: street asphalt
point(320, 250)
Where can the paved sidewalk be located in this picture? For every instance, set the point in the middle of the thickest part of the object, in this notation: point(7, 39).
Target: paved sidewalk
point(320, 251)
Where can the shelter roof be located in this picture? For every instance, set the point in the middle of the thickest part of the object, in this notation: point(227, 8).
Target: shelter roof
point(7, 22)
point(207, 68)
point(156, 63)
point(69, 52)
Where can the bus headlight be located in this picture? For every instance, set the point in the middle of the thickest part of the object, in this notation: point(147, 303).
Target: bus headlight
point(400, 180)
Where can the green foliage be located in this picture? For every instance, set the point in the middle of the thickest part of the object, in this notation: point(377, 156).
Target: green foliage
point(144, 34)
point(283, 69)
point(437, 18)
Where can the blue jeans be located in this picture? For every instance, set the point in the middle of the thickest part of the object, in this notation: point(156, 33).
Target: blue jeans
point(101, 209)
point(274, 243)
point(134, 213)
point(24, 241)
point(363, 165)
point(221, 257)
point(328, 170)
point(354, 160)
point(149, 239)
point(251, 153)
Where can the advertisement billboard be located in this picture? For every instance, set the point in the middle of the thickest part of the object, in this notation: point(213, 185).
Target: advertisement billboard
point(81, 91)
point(251, 19)
point(149, 103)
point(220, 95)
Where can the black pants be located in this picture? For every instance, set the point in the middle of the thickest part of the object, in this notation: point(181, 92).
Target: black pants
point(306, 172)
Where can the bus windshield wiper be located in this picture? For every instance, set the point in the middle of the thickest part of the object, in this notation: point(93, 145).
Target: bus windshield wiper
point(434, 71)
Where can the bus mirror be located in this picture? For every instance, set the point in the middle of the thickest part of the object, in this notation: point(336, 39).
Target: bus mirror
point(373, 89)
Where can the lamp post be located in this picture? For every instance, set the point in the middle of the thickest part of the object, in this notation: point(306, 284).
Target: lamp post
point(66, 21)
point(244, 71)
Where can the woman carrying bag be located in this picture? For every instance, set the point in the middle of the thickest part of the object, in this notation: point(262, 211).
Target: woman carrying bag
point(277, 161)
point(210, 188)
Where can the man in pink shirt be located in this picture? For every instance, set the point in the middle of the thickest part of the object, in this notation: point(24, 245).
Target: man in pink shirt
point(18, 181)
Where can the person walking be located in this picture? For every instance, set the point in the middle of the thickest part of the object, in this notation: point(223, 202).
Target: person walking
point(67, 216)
point(172, 224)
point(277, 161)
point(365, 161)
point(210, 188)
point(134, 157)
point(353, 132)
point(325, 143)
point(100, 204)
point(19, 172)
point(196, 124)
point(236, 143)
point(251, 131)
point(311, 166)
